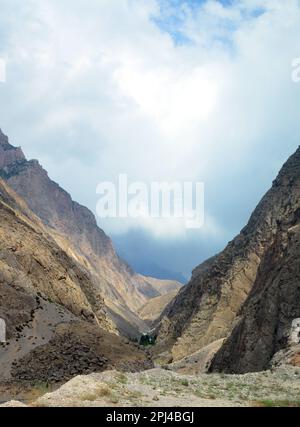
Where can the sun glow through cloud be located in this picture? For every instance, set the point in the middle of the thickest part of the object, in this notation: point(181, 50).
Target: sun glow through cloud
point(173, 101)
point(172, 90)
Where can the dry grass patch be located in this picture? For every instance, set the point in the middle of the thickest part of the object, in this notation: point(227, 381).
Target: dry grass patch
point(100, 391)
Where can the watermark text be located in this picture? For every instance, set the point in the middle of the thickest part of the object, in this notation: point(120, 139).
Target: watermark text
point(176, 200)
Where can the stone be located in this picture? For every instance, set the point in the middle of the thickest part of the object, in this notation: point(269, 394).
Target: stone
point(13, 404)
point(295, 332)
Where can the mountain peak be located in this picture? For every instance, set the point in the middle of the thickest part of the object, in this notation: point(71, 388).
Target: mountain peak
point(8, 153)
point(4, 144)
point(290, 170)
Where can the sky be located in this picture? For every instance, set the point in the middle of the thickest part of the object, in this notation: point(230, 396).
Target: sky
point(162, 90)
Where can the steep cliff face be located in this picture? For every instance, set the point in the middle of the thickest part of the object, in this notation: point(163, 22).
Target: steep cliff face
point(206, 310)
point(31, 259)
point(76, 232)
point(265, 323)
point(9, 154)
point(56, 326)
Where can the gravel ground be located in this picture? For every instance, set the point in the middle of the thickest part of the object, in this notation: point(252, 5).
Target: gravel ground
point(163, 388)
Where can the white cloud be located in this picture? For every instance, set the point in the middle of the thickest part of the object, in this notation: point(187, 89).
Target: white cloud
point(97, 88)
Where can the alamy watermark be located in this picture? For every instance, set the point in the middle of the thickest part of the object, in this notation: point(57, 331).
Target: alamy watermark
point(296, 70)
point(2, 330)
point(2, 71)
point(174, 200)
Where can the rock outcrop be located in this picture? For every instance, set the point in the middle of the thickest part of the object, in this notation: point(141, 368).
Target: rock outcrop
point(9, 154)
point(249, 292)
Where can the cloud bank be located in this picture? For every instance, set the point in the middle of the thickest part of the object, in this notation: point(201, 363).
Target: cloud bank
point(160, 90)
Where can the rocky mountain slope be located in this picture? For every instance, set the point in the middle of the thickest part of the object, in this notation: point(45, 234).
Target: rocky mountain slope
point(164, 286)
point(265, 323)
point(249, 292)
point(57, 326)
point(76, 231)
point(153, 309)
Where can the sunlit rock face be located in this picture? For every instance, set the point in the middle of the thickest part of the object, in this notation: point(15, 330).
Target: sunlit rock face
point(77, 232)
point(56, 328)
point(250, 292)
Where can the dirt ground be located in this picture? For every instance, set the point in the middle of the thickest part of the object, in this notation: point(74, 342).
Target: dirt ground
point(163, 388)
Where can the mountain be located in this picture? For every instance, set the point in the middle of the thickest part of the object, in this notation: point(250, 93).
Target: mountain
point(264, 326)
point(153, 309)
point(164, 286)
point(249, 294)
point(147, 268)
point(57, 327)
point(77, 233)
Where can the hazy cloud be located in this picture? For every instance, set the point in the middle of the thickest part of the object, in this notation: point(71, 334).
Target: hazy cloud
point(160, 90)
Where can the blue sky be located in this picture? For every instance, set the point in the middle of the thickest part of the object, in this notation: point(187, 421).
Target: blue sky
point(173, 14)
point(165, 91)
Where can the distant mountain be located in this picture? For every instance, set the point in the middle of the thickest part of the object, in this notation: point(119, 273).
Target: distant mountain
point(150, 269)
point(164, 286)
point(249, 294)
point(153, 309)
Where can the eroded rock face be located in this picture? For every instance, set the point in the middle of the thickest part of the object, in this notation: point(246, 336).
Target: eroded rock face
point(78, 225)
point(56, 327)
point(247, 272)
point(266, 324)
point(75, 230)
point(8, 153)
